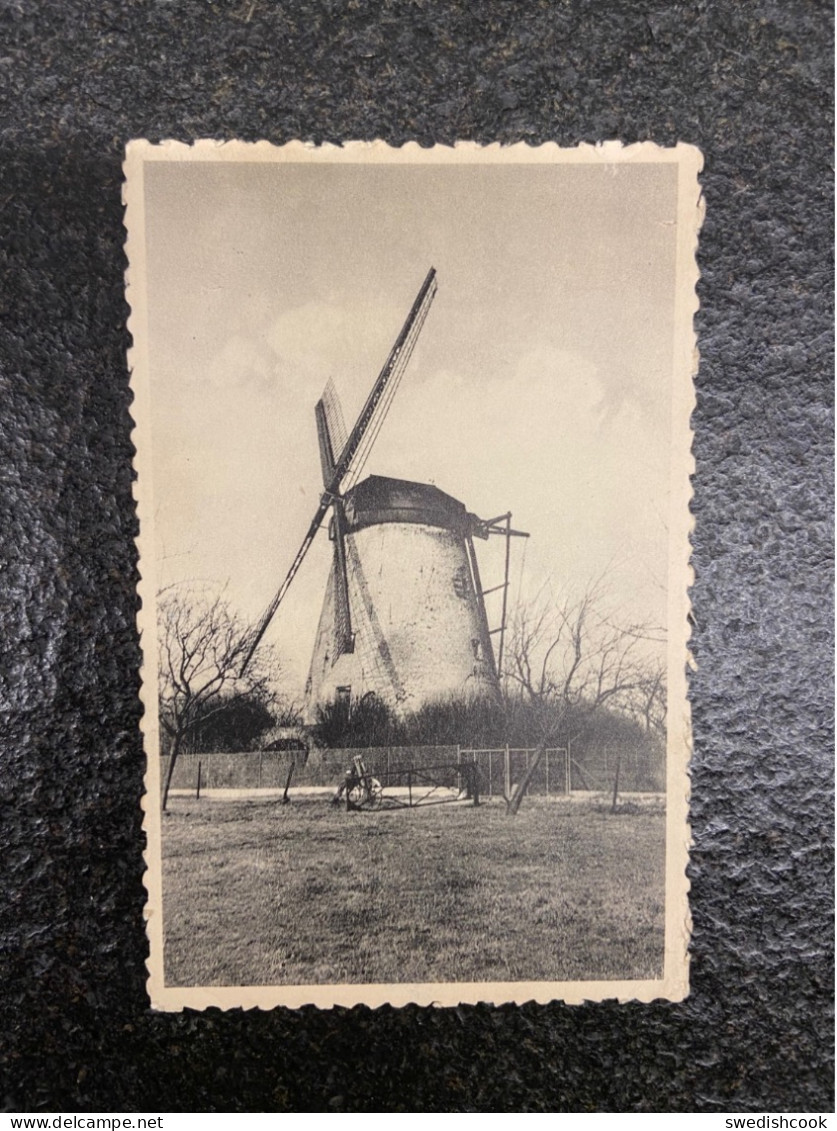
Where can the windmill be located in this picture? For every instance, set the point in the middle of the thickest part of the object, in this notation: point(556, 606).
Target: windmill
point(404, 614)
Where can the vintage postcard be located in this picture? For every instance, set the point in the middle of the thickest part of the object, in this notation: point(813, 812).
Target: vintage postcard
point(412, 457)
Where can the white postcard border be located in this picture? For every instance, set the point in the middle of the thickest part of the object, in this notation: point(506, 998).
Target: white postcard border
point(673, 986)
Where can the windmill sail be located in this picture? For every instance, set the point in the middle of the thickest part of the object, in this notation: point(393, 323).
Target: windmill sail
point(344, 640)
point(333, 437)
point(335, 421)
point(378, 403)
point(331, 432)
point(339, 460)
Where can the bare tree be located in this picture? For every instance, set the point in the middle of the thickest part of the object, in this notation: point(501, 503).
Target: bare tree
point(651, 695)
point(570, 660)
point(202, 644)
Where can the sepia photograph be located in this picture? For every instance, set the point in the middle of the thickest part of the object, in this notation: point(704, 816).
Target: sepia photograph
point(412, 472)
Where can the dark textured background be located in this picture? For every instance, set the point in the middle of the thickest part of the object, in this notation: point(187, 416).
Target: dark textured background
point(749, 82)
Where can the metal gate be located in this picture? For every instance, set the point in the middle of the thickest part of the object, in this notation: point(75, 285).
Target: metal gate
point(501, 767)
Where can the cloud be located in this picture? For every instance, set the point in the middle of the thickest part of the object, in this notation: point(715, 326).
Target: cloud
point(320, 339)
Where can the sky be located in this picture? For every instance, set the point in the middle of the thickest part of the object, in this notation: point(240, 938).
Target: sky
point(540, 384)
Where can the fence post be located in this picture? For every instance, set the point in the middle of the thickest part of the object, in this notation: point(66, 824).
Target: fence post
point(198, 790)
point(546, 770)
point(291, 768)
point(568, 771)
point(507, 774)
point(260, 769)
point(616, 778)
point(490, 775)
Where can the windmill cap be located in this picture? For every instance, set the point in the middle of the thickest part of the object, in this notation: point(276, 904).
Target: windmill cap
point(379, 499)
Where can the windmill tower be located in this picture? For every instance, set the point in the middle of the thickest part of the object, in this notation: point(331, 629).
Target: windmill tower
point(404, 614)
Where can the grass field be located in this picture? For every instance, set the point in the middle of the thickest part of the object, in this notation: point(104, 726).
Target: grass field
point(260, 893)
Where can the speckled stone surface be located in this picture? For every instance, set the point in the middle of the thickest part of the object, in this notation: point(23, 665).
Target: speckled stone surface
point(749, 82)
